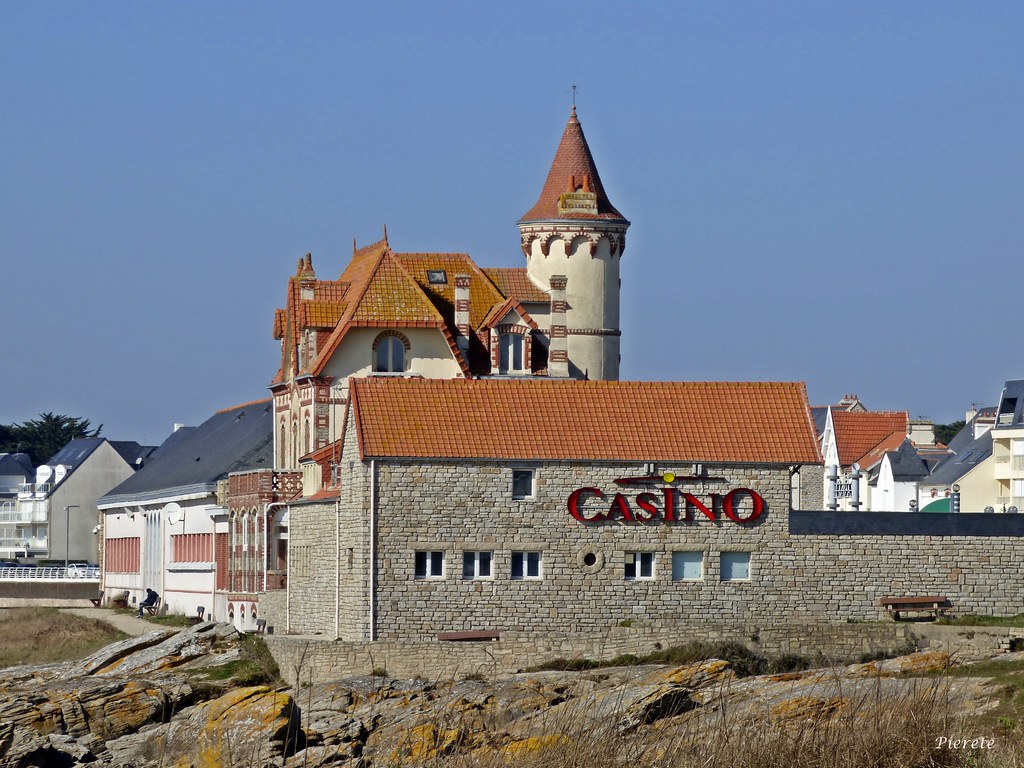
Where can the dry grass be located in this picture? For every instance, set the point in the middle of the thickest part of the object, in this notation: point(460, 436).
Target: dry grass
point(874, 729)
point(41, 635)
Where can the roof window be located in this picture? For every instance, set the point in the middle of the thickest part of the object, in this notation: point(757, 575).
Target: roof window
point(437, 277)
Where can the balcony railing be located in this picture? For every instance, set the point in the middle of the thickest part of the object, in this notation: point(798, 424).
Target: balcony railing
point(28, 573)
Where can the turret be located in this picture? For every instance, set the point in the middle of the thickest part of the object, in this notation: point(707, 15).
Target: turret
point(575, 232)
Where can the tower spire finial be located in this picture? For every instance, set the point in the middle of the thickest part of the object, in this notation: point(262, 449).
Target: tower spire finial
point(573, 114)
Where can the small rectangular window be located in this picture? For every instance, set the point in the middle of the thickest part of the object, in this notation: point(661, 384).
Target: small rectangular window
point(522, 483)
point(735, 566)
point(429, 565)
point(476, 565)
point(437, 277)
point(687, 566)
point(526, 565)
point(639, 565)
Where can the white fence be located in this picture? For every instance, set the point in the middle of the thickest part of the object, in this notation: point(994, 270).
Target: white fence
point(72, 572)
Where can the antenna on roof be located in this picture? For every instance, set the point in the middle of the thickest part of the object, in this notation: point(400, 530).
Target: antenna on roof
point(574, 97)
point(353, 246)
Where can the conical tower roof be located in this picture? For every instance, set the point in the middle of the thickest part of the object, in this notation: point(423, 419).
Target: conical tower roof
point(573, 189)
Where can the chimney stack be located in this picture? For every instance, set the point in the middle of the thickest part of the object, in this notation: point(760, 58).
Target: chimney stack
point(558, 343)
point(462, 314)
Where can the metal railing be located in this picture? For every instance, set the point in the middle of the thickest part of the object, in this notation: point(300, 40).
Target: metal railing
point(30, 573)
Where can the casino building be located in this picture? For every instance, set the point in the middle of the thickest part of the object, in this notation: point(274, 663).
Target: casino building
point(471, 463)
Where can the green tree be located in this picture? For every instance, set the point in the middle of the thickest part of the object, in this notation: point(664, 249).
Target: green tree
point(41, 438)
point(946, 432)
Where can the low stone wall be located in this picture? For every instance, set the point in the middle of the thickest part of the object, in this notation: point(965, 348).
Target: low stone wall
point(313, 659)
point(47, 594)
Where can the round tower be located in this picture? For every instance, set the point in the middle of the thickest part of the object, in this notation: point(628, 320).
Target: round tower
point(575, 236)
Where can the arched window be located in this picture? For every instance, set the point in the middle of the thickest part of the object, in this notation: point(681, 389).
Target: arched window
point(389, 353)
point(510, 353)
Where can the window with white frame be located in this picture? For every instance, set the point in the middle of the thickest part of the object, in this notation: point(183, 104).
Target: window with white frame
point(639, 565)
point(510, 353)
point(522, 483)
point(429, 565)
point(476, 565)
point(735, 566)
point(687, 566)
point(526, 565)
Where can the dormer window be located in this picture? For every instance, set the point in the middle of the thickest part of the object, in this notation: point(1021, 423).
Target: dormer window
point(510, 353)
point(437, 277)
point(389, 353)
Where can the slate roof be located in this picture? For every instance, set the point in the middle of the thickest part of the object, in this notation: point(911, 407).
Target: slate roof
point(192, 459)
point(728, 422)
point(571, 164)
point(1011, 406)
point(968, 452)
point(907, 464)
point(16, 463)
point(858, 432)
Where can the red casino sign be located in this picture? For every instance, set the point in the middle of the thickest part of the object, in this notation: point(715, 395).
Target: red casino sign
point(591, 505)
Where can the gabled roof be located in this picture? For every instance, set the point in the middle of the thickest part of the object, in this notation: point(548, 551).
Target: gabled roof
point(75, 452)
point(1011, 406)
point(889, 443)
point(16, 465)
point(858, 432)
point(515, 283)
point(500, 310)
point(135, 455)
point(572, 170)
point(907, 464)
point(586, 420)
point(193, 459)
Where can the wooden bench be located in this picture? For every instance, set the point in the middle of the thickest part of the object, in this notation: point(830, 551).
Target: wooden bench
point(936, 605)
point(121, 601)
point(96, 601)
point(198, 618)
point(152, 610)
point(471, 635)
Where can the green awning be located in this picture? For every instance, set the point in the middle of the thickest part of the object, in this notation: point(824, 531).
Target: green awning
point(939, 505)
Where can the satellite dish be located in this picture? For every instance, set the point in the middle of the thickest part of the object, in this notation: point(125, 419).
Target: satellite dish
point(956, 488)
point(59, 473)
point(990, 510)
point(43, 474)
point(174, 513)
point(1011, 511)
point(856, 467)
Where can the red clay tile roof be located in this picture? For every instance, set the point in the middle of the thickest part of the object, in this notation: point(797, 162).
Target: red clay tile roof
point(586, 420)
point(515, 283)
point(857, 432)
point(393, 298)
point(572, 162)
point(889, 443)
point(482, 293)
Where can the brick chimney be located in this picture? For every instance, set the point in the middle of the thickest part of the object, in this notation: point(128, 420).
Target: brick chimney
point(462, 313)
point(558, 345)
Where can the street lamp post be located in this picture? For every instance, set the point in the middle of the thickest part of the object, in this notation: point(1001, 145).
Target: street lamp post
point(67, 534)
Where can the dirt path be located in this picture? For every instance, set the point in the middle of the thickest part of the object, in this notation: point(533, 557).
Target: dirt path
point(126, 622)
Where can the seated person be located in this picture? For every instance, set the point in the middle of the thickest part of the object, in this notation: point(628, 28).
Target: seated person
point(152, 598)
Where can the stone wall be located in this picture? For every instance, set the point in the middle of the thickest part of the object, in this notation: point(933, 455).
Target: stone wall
point(803, 566)
point(304, 659)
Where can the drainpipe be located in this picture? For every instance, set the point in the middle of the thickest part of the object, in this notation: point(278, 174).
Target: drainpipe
point(373, 550)
point(337, 568)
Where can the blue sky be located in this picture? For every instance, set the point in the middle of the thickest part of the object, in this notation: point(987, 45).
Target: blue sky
point(829, 193)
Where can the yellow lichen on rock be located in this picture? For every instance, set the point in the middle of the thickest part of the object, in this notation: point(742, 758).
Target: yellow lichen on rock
point(804, 708)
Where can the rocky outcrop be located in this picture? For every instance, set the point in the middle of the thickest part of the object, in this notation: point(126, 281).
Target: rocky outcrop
point(150, 701)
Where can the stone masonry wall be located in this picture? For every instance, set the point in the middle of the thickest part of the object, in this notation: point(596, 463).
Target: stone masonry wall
point(468, 507)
